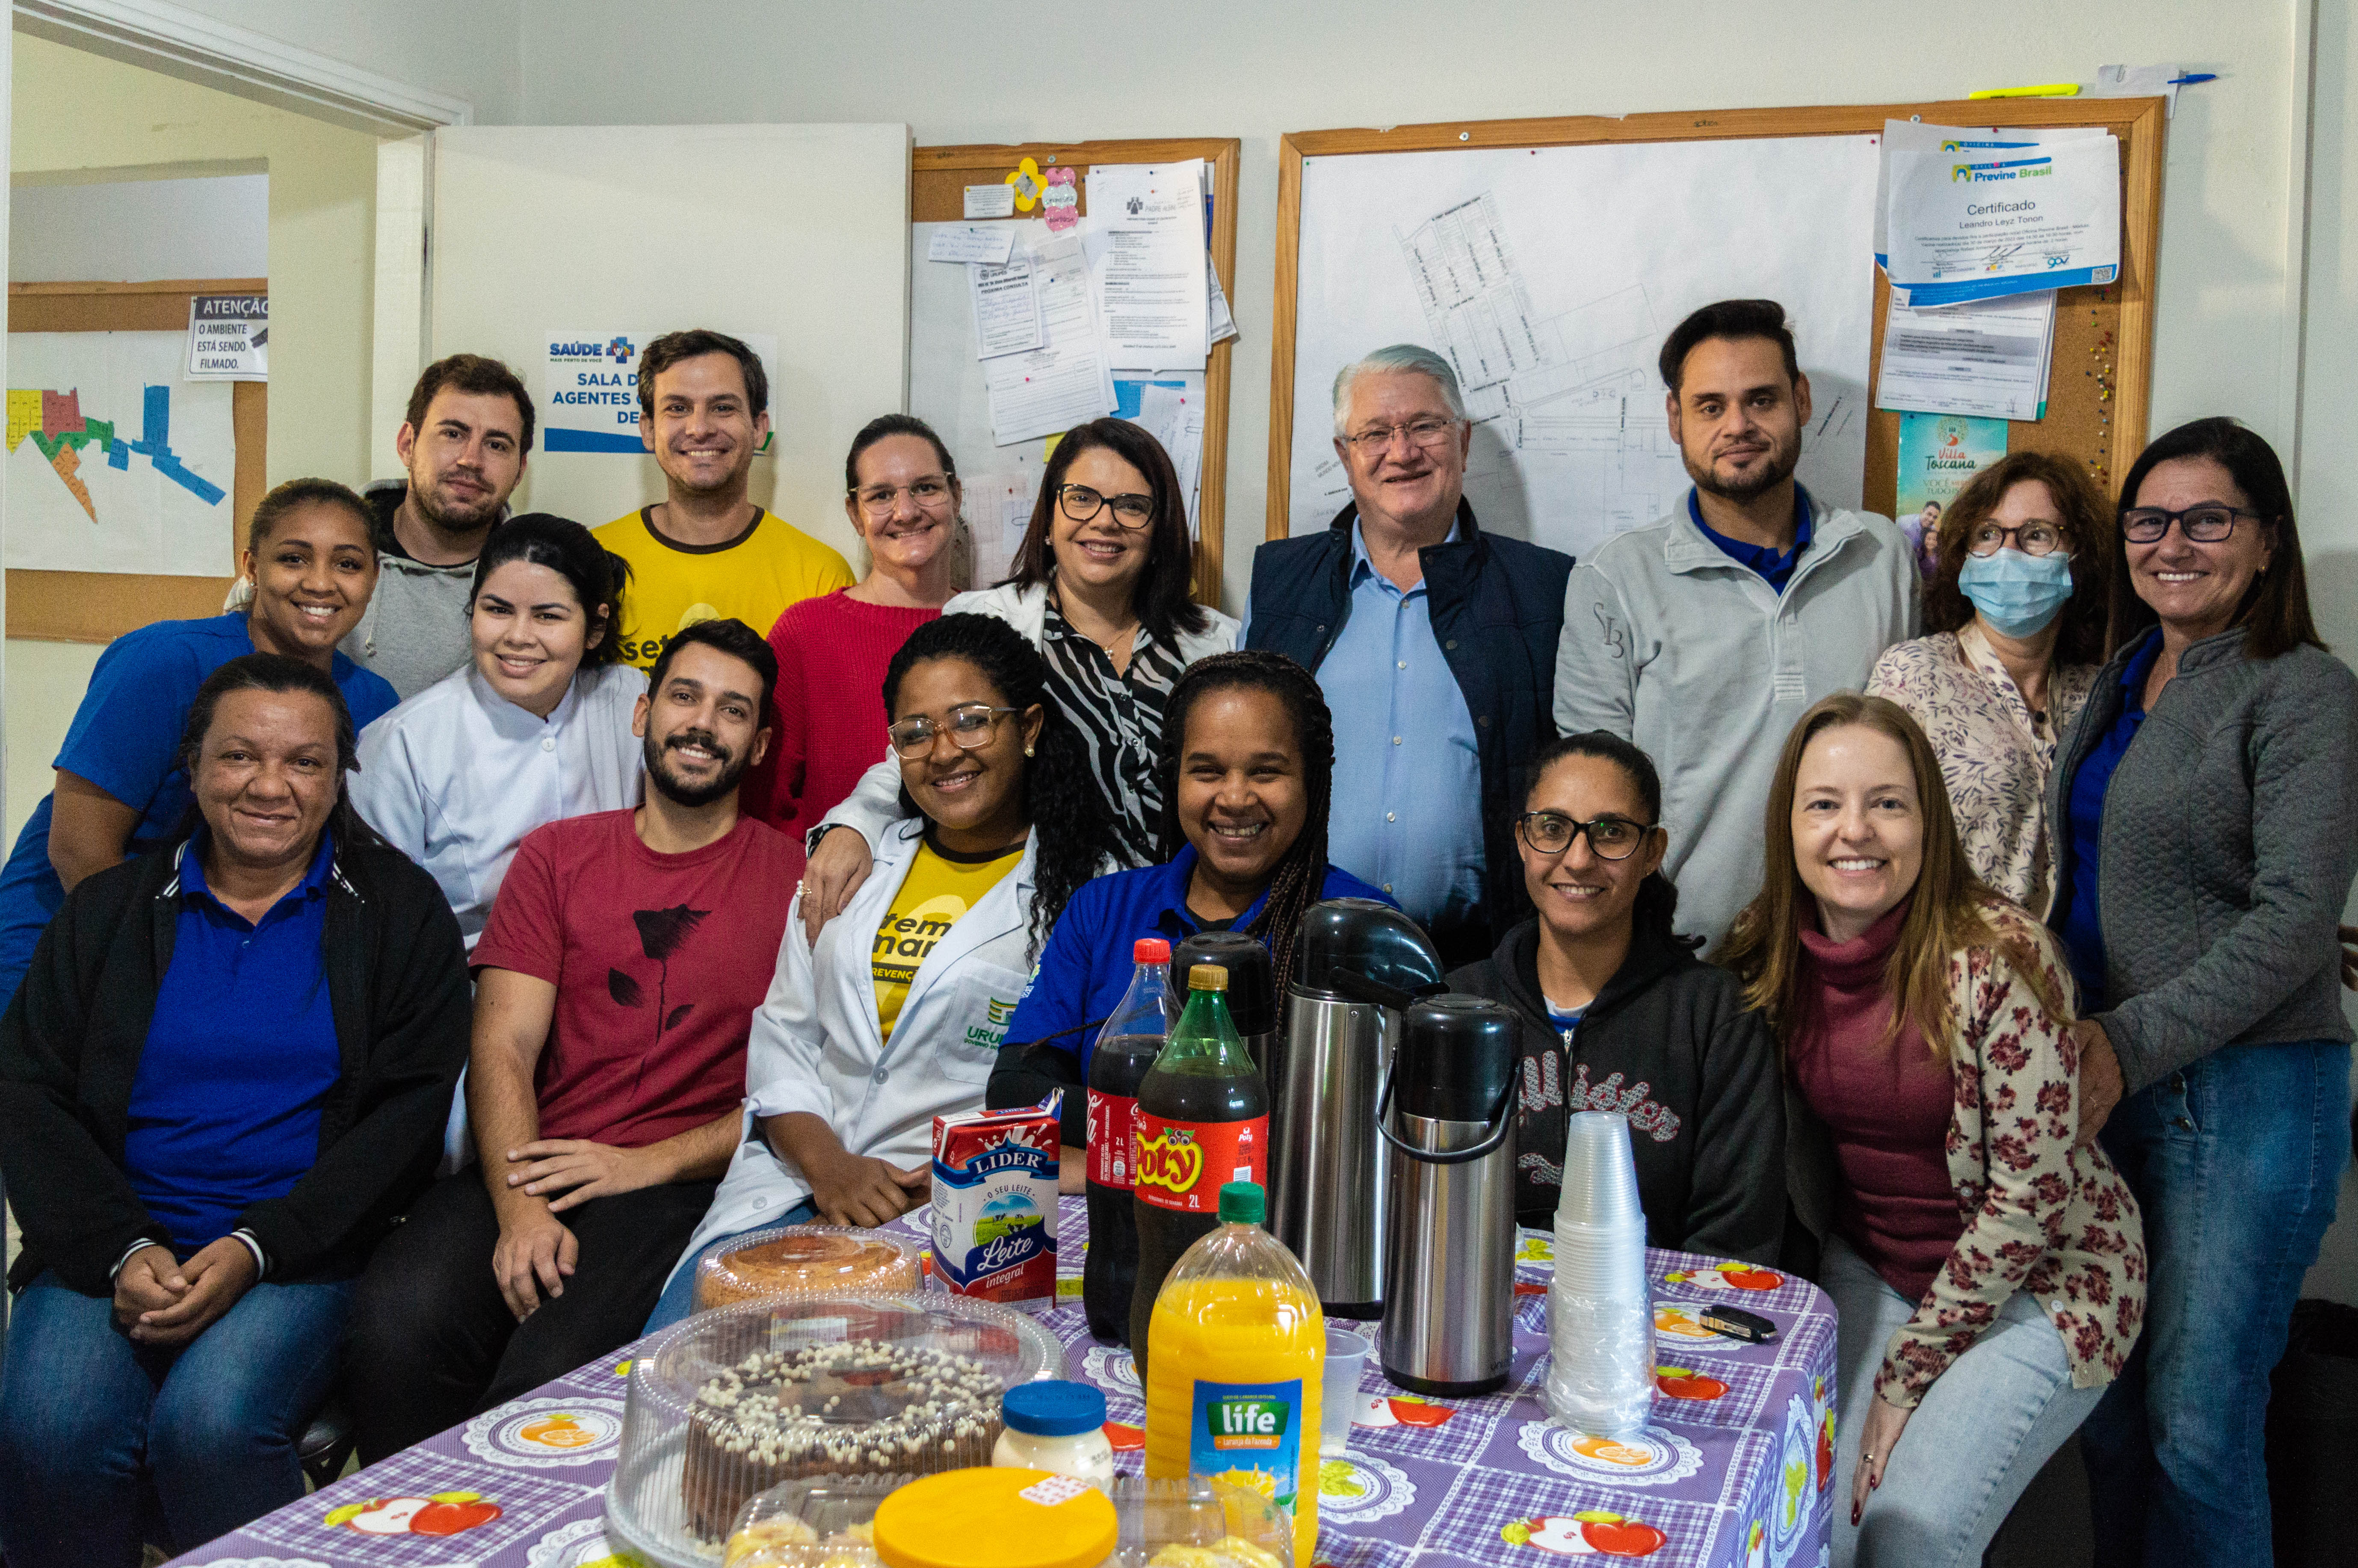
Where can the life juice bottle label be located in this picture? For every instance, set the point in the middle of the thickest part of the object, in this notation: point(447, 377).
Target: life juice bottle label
point(1182, 1164)
point(1113, 1139)
point(1249, 1435)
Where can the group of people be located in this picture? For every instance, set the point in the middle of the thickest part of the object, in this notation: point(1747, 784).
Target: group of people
point(419, 966)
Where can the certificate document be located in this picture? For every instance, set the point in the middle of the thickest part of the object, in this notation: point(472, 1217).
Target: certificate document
point(1975, 223)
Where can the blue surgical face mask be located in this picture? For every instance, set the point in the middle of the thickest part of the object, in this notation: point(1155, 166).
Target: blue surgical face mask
point(2016, 594)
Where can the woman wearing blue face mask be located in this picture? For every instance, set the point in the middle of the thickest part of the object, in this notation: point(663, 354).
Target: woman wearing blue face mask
point(2016, 610)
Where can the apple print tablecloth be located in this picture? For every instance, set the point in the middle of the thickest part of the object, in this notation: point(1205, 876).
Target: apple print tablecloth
point(1735, 1470)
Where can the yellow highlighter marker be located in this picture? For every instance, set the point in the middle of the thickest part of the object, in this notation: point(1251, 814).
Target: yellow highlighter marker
point(2048, 90)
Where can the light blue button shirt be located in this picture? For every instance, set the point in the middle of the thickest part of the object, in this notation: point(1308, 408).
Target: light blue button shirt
point(1408, 774)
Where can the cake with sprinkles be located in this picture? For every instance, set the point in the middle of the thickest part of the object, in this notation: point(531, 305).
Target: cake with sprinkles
point(854, 1407)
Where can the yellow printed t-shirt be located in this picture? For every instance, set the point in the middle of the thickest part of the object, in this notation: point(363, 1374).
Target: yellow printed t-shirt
point(940, 888)
point(753, 578)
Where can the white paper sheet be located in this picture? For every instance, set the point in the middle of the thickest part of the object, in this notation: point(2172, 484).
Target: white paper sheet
point(1550, 277)
point(990, 242)
point(1066, 381)
point(1969, 223)
point(1974, 141)
point(990, 202)
point(1006, 308)
point(1170, 407)
point(1147, 253)
point(1988, 358)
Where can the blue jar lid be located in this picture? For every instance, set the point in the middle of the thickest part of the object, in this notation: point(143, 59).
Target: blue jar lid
point(1054, 1409)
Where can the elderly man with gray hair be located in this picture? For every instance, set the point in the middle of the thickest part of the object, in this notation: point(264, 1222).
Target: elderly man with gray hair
point(1435, 646)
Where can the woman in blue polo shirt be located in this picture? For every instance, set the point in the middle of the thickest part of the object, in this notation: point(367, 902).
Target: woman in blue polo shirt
point(1247, 764)
point(311, 557)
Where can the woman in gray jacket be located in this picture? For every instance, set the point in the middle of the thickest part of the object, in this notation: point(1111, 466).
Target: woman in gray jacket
point(2206, 818)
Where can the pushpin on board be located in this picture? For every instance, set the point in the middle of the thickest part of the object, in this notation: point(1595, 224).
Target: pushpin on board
point(1026, 179)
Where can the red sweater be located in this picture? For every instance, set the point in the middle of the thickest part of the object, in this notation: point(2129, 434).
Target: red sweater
point(829, 718)
point(1887, 1103)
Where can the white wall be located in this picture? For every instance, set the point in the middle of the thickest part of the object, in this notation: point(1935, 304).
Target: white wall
point(136, 230)
point(467, 48)
point(1235, 68)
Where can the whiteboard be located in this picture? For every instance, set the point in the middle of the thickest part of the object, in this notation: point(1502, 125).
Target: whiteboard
point(796, 232)
point(115, 463)
point(1550, 277)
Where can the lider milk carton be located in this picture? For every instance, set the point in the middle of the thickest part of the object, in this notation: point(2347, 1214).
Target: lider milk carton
point(995, 1204)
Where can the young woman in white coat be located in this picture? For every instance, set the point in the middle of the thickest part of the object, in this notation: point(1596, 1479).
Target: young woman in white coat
point(1102, 587)
point(894, 1015)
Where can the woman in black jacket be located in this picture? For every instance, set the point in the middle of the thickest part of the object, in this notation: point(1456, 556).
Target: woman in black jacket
point(1620, 1015)
point(226, 1072)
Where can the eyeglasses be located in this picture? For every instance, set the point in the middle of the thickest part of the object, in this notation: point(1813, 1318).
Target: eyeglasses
point(1609, 837)
point(969, 726)
point(928, 492)
point(2203, 524)
point(1428, 434)
point(2031, 538)
point(1081, 503)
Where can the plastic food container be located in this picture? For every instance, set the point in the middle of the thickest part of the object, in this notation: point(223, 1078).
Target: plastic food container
point(823, 1389)
point(801, 1260)
point(1058, 1427)
point(1189, 1523)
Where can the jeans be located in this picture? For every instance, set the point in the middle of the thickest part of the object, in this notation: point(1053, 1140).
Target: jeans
point(1978, 1436)
point(90, 1421)
point(678, 1301)
point(432, 1340)
point(2236, 1161)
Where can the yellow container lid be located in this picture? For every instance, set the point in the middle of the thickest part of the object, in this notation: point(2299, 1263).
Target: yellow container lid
point(996, 1518)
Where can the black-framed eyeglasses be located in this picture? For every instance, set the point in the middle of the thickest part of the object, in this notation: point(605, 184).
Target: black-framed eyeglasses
point(877, 499)
point(969, 726)
point(2204, 525)
point(2031, 538)
point(1080, 504)
point(1609, 837)
point(1428, 434)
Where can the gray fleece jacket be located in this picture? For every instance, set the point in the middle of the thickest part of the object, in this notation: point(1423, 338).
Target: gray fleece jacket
point(2229, 839)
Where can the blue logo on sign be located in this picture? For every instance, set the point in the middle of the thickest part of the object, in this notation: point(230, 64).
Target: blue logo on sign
point(621, 350)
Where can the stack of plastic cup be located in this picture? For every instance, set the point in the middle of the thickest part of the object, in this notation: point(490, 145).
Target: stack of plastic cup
point(1600, 1318)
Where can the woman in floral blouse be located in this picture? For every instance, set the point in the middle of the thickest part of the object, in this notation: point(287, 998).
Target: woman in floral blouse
point(2016, 617)
point(1989, 1273)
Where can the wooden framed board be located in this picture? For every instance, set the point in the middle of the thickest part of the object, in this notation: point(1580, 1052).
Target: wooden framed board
point(938, 180)
point(2098, 392)
point(97, 607)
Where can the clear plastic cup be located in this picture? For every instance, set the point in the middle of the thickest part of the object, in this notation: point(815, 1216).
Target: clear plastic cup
point(1347, 1356)
point(1600, 1172)
point(1605, 1261)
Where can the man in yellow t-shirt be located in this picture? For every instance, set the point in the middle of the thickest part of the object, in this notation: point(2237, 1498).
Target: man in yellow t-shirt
point(707, 552)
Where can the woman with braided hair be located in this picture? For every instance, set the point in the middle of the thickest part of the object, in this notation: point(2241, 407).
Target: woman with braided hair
point(1247, 759)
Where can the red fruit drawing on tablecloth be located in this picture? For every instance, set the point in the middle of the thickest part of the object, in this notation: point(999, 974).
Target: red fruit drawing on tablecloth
point(1411, 1411)
point(1679, 1383)
point(1125, 1438)
point(1745, 1278)
point(444, 1513)
point(1825, 1451)
point(1590, 1532)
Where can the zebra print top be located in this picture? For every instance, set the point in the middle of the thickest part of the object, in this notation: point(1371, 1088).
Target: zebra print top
point(1120, 721)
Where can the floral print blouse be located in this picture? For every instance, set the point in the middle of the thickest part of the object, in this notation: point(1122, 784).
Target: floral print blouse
point(1995, 753)
point(2041, 1214)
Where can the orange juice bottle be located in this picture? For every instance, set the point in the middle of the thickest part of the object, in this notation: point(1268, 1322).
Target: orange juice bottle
point(1236, 1347)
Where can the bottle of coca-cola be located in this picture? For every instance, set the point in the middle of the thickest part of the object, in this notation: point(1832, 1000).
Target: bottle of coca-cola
point(1132, 1037)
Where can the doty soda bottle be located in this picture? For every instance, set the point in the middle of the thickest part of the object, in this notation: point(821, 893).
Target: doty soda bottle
point(1202, 1122)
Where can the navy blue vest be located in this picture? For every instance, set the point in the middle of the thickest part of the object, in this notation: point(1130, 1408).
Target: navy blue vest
point(1497, 607)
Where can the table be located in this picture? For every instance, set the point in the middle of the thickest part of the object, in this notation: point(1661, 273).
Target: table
point(1735, 1472)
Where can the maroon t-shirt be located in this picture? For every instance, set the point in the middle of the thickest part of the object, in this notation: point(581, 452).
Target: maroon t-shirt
point(1887, 1102)
point(658, 961)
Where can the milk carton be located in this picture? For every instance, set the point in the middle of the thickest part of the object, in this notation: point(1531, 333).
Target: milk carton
point(995, 1204)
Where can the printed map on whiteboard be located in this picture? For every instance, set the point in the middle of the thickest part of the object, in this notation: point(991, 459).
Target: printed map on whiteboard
point(1549, 277)
point(116, 463)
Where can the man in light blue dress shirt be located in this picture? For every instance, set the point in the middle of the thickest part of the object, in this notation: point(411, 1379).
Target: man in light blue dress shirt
point(1435, 643)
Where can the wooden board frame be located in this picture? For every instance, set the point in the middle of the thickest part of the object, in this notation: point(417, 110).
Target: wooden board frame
point(938, 180)
point(2099, 388)
point(97, 607)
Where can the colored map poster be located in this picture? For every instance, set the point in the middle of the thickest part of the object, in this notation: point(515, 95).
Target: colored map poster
point(116, 463)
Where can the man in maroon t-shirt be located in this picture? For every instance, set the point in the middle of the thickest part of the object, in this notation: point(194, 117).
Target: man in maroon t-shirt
point(615, 983)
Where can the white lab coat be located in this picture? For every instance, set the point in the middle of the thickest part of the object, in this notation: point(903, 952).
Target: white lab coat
point(817, 1044)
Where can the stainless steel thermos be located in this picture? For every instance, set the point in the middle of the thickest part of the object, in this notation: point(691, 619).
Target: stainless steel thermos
point(1447, 1115)
point(1252, 992)
point(1356, 963)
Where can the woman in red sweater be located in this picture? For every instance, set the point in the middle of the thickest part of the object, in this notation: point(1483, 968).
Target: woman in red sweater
point(901, 492)
point(1990, 1272)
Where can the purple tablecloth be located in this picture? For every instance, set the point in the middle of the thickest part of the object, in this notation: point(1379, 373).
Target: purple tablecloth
point(1735, 1471)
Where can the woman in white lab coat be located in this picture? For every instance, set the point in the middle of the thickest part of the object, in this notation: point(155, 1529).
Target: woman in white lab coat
point(895, 1015)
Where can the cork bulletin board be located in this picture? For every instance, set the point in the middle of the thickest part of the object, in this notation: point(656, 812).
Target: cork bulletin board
point(97, 607)
point(2102, 366)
